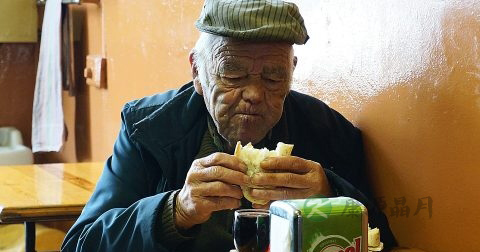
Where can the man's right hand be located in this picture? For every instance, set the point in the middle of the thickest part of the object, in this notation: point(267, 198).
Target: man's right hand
point(212, 184)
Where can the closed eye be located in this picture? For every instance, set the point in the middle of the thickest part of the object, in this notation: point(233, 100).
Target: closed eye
point(274, 80)
point(232, 77)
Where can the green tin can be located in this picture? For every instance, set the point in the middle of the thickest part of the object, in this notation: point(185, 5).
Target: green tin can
point(337, 224)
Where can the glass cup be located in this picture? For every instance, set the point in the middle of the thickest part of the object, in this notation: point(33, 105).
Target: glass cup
point(251, 230)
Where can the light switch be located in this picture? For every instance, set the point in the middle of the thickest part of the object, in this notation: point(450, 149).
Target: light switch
point(95, 71)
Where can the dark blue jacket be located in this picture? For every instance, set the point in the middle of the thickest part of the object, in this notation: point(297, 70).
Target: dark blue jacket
point(159, 138)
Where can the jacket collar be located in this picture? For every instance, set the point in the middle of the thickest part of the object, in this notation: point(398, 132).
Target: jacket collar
point(173, 120)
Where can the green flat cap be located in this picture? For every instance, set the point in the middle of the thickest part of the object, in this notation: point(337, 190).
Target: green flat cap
point(258, 20)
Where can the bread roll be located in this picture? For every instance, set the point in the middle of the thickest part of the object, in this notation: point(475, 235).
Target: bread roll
point(374, 243)
point(253, 157)
point(373, 237)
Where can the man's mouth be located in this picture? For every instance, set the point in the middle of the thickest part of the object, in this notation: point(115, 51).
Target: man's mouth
point(249, 112)
point(248, 117)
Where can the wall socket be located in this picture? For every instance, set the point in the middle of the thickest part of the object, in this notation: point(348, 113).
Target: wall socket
point(95, 71)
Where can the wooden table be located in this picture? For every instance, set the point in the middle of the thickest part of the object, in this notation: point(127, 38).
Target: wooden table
point(50, 192)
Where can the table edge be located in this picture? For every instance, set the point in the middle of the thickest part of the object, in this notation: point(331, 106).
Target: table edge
point(43, 213)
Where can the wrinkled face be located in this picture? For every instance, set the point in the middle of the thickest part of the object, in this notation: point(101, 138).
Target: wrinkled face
point(247, 86)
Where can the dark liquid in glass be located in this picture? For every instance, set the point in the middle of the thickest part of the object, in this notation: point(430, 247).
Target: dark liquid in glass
point(251, 232)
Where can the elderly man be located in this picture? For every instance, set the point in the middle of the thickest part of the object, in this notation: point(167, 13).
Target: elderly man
point(172, 181)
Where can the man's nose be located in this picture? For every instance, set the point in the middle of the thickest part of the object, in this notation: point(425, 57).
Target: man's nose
point(254, 91)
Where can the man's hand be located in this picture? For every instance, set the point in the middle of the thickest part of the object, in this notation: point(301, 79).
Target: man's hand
point(290, 178)
point(212, 184)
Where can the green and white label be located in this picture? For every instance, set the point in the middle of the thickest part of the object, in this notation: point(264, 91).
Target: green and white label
point(331, 224)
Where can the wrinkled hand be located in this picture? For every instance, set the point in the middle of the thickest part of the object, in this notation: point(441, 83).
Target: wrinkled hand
point(289, 178)
point(212, 184)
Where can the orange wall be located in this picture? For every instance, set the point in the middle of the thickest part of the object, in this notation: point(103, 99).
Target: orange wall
point(406, 72)
point(146, 44)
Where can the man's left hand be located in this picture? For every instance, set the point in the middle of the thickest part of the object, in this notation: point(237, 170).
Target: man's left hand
point(289, 178)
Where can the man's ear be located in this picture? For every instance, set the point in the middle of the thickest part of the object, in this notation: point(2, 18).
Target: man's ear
point(295, 60)
point(196, 80)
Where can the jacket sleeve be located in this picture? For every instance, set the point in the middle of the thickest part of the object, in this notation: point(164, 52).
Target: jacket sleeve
point(123, 214)
point(347, 177)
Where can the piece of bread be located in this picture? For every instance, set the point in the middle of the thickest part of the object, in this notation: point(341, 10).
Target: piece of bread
point(373, 237)
point(253, 157)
